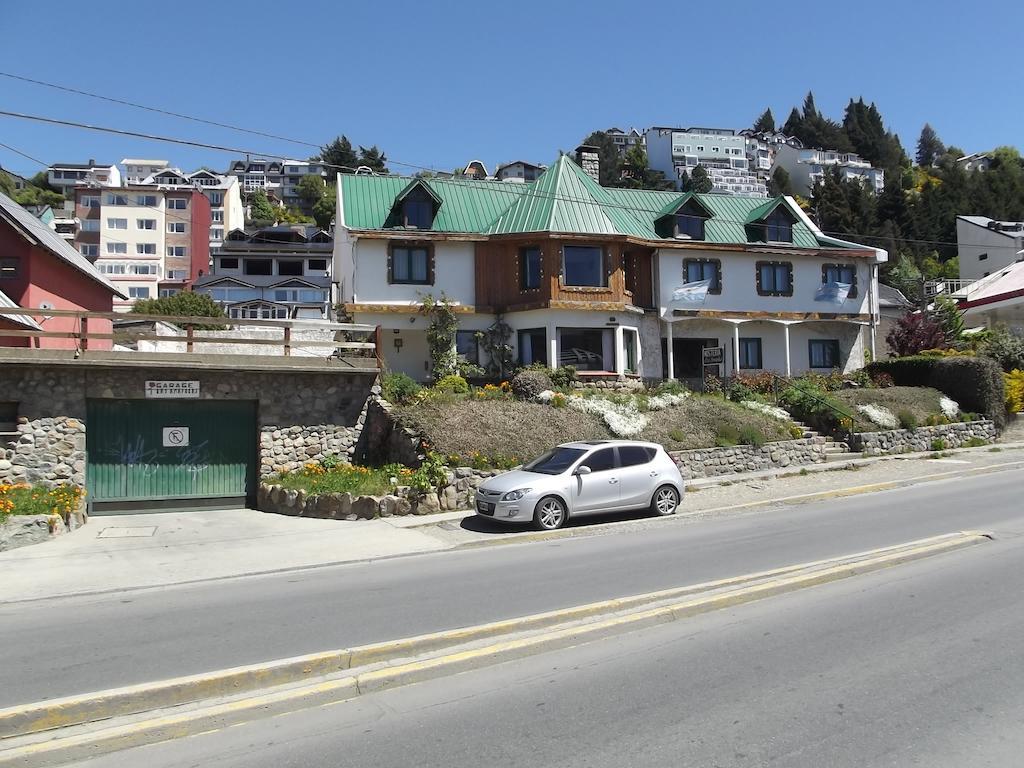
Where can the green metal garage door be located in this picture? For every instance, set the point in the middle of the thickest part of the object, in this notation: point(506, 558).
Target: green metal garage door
point(163, 454)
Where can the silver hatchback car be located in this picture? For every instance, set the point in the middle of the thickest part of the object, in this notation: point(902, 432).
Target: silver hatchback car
point(584, 478)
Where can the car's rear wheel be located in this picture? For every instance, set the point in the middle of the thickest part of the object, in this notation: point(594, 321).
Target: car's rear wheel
point(665, 500)
point(550, 514)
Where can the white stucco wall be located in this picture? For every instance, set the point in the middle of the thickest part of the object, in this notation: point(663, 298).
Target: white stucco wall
point(974, 241)
point(739, 282)
point(365, 263)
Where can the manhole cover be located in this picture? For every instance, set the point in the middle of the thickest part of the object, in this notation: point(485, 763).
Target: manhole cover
point(136, 532)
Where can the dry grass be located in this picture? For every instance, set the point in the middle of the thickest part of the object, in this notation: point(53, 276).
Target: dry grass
point(696, 424)
point(920, 401)
point(523, 430)
point(499, 427)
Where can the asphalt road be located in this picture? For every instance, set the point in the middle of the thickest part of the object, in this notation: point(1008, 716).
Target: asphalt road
point(76, 645)
point(916, 665)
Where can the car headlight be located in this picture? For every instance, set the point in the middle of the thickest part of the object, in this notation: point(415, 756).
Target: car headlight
point(516, 495)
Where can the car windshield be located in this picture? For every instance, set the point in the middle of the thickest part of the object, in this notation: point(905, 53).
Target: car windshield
point(555, 461)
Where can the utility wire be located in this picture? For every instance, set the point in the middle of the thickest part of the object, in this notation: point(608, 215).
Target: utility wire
point(157, 110)
point(497, 186)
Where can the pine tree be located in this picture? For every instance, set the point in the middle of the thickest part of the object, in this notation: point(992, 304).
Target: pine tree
point(261, 211)
point(929, 148)
point(766, 122)
point(339, 153)
point(373, 159)
point(608, 156)
point(780, 183)
point(700, 181)
point(794, 123)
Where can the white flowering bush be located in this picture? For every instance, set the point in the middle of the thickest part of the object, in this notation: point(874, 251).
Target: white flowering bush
point(667, 400)
point(950, 408)
point(546, 396)
point(880, 415)
point(767, 410)
point(624, 420)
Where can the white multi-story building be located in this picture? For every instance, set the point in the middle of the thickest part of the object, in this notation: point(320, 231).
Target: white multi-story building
point(625, 139)
point(720, 151)
point(137, 171)
point(226, 210)
point(279, 179)
point(518, 170)
point(66, 176)
point(806, 167)
point(986, 245)
point(761, 149)
point(149, 241)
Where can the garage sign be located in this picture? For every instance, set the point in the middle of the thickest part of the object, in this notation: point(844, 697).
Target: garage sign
point(172, 389)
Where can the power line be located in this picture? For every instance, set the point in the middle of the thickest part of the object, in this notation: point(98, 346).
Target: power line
point(27, 157)
point(467, 184)
point(157, 110)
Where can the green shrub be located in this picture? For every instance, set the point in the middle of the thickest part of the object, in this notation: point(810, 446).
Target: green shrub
point(814, 406)
point(677, 434)
point(559, 401)
point(737, 391)
point(795, 432)
point(399, 388)
point(907, 420)
point(938, 444)
point(673, 387)
point(751, 436)
point(452, 384)
point(976, 383)
point(975, 442)
point(726, 435)
point(330, 461)
point(564, 376)
point(882, 380)
point(527, 384)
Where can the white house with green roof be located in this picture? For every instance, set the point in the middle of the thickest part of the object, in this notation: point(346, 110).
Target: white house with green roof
point(617, 282)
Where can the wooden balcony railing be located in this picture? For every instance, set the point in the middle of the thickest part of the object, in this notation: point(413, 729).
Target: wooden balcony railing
point(351, 340)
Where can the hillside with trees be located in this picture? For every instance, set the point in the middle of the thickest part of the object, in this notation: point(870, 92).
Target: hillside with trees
point(914, 218)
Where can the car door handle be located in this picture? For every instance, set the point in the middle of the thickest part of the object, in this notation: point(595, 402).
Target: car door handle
point(613, 480)
point(655, 474)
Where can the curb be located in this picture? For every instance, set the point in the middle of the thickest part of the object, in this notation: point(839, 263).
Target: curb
point(91, 743)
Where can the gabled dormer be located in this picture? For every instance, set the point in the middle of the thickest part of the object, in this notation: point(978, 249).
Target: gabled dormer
point(771, 223)
point(415, 207)
point(683, 218)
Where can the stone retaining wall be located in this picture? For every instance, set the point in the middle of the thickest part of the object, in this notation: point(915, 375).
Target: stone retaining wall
point(712, 462)
point(921, 439)
point(456, 494)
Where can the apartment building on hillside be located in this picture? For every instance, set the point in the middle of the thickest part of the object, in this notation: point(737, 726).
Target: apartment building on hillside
point(67, 176)
point(806, 167)
point(136, 170)
point(762, 147)
point(279, 179)
point(147, 240)
point(226, 210)
point(720, 151)
point(985, 245)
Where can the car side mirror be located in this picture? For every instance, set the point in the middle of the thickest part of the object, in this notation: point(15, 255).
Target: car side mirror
point(583, 469)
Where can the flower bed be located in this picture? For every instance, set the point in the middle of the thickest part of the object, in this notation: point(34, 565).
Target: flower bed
point(32, 514)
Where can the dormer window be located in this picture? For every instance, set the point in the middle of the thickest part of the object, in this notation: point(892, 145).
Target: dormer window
point(418, 213)
point(688, 225)
point(778, 227)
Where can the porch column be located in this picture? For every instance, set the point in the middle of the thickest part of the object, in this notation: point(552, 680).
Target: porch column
point(671, 376)
point(785, 338)
point(552, 334)
point(620, 352)
point(735, 348)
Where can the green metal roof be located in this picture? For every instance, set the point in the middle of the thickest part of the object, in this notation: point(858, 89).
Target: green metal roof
point(564, 199)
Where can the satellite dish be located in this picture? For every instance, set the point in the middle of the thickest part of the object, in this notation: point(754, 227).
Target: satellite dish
point(46, 305)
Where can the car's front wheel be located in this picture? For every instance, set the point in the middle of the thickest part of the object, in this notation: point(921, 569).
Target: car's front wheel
point(549, 514)
point(665, 500)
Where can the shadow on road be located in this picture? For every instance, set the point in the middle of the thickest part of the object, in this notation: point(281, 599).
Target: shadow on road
point(480, 524)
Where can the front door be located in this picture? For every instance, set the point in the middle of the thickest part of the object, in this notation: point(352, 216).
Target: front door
point(688, 362)
point(599, 490)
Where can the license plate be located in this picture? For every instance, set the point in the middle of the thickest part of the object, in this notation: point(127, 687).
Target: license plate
point(485, 508)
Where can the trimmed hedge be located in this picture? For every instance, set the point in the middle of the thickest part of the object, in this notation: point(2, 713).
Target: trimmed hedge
point(976, 383)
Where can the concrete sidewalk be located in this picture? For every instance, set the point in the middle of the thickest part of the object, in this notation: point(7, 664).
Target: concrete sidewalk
point(138, 551)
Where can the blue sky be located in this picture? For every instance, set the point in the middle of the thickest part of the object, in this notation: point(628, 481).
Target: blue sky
point(439, 83)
